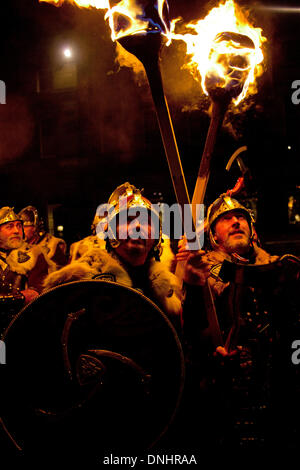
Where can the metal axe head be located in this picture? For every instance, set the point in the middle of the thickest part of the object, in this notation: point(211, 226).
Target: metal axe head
point(245, 172)
point(236, 156)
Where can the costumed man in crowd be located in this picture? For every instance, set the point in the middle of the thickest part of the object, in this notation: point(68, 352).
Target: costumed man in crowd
point(131, 254)
point(257, 308)
point(23, 267)
point(55, 248)
point(232, 237)
point(78, 249)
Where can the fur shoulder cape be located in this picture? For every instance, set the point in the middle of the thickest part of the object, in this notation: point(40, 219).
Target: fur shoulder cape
point(23, 260)
point(78, 249)
point(49, 243)
point(97, 263)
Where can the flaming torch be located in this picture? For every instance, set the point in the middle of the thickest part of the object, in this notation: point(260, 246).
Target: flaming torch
point(142, 28)
point(145, 41)
point(225, 54)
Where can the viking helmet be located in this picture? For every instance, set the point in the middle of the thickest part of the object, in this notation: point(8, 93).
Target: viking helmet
point(30, 216)
point(126, 197)
point(219, 207)
point(7, 214)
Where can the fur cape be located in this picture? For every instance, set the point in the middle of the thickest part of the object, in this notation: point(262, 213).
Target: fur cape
point(24, 259)
point(78, 249)
point(98, 263)
point(49, 244)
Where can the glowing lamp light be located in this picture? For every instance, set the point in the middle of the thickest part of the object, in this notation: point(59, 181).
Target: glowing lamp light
point(67, 53)
point(60, 228)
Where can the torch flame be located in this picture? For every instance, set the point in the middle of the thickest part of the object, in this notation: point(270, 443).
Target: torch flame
point(225, 50)
point(100, 4)
point(127, 17)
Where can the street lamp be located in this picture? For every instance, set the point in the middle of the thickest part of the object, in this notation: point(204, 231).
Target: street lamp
point(68, 53)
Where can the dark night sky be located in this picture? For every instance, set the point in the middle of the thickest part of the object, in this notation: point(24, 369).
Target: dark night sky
point(74, 146)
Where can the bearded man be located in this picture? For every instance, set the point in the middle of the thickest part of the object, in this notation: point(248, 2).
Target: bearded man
point(257, 313)
point(23, 268)
point(131, 253)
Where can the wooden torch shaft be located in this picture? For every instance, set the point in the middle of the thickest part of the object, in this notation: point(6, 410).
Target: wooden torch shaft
point(218, 112)
point(177, 175)
point(219, 109)
point(168, 136)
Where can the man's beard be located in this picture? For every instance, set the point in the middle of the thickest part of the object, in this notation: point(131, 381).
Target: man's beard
point(13, 243)
point(240, 246)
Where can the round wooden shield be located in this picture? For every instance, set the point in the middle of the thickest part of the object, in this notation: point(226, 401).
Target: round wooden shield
point(91, 366)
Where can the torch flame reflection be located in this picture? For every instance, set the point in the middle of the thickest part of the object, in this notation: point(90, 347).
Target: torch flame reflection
point(225, 50)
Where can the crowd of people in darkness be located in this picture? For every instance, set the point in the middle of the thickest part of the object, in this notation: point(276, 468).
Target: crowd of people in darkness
point(234, 308)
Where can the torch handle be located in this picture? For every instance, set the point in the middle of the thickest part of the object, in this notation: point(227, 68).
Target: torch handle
point(167, 134)
point(219, 108)
point(171, 149)
point(177, 175)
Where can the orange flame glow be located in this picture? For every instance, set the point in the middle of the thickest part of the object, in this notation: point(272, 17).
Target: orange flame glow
point(127, 17)
point(225, 50)
point(100, 4)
